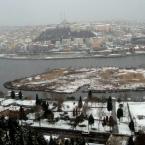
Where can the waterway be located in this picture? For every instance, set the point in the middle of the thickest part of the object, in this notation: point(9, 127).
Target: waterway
point(11, 69)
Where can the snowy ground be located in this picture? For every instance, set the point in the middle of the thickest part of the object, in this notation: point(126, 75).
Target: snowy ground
point(8, 102)
point(14, 105)
point(137, 110)
point(123, 124)
point(98, 110)
point(68, 106)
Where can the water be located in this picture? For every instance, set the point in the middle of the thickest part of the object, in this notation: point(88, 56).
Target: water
point(14, 69)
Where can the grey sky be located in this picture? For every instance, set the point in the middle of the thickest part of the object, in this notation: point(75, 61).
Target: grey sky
point(29, 12)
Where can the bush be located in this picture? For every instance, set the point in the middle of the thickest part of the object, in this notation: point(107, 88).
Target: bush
point(57, 119)
point(94, 128)
point(82, 125)
point(72, 98)
point(54, 104)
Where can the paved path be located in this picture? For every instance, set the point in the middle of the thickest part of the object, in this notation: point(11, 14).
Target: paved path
point(114, 115)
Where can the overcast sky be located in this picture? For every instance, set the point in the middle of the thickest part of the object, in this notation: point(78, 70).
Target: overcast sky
point(29, 12)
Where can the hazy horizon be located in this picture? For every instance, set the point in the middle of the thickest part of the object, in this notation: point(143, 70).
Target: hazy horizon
point(40, 12)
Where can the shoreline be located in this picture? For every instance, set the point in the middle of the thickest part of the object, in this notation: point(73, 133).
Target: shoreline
point(32, 57)
point(7, 86)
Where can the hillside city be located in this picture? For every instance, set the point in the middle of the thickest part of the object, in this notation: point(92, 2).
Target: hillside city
point(98, 39)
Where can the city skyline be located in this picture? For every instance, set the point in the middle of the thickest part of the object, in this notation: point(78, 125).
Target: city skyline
point(39, 12)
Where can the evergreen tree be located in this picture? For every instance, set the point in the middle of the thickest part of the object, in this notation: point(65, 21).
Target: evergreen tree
point(74, 112)
point(111, 122)
point(51, 142)
point(12, 94)
point(1, 136)
point(109, 104)
point(76, 121)
point(66, 142)
point(12, 136)
point(90, 95)
point(140, 138)
point(80, 104)
point(83, 142)
point(130, 141)
point(41, 140)
point(44, 106)
point(21, 139)
point(119, 113)
point(30, 141)
point(104, 122)
point(16, 135)
point(119, 100)
point(81, 117)
point(22, 113)
point(71, 141)
point(91, 120)
point(20, 95)
point(37, 99)
point(131, 126)
point(107, 119)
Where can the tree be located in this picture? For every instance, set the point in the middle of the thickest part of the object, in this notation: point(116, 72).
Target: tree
point(71, 141)
point(44, 106)
point(100, 113)
point(41, 140)
point(109, 104)
point(66, 142)
point(83, 142)
point(49, 114)
point(60, 100)
point(21, 138)
point(22, 113)
point(119, 100)
point(17, 135)
point(78, 119)
point(130, 141)
point(38, 101)
point(107, 119)
point(39, 118)
point(91, 120)
point(51, 142)
point(1, 136)
point(30, 141)
point(104, 122)
point(81, 117)
point(12, 94)
point(119, 113)
point(74, 112)
point(89, 95)
point(20, 95)
point(80, 104)
point(140, 138)
point(131, 126)
point(111, 122)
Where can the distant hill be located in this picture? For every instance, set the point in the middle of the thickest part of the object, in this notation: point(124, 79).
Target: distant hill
point(63, 33)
